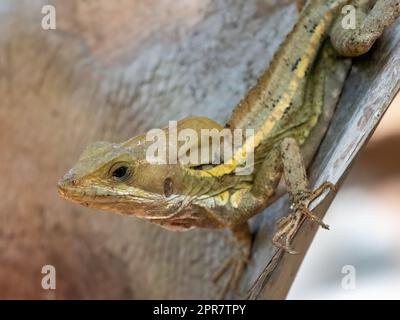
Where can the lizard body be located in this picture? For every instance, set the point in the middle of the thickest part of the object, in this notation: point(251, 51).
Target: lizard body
point(285, 110)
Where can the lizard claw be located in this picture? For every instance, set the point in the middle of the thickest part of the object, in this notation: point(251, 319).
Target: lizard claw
point(289, 225)
point(305, 204)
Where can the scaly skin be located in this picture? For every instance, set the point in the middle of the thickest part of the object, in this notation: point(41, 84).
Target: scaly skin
point(284, 109)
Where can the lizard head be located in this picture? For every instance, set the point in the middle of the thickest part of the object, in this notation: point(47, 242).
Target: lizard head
point(117, 177)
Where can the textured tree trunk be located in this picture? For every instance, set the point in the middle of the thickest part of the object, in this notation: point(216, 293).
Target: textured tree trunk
point(111, 70)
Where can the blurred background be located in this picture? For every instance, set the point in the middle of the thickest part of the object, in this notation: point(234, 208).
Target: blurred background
point(113, 69)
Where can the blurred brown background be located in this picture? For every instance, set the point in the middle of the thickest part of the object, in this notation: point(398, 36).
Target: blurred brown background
point(114, 69)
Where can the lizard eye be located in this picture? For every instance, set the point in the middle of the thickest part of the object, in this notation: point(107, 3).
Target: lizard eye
point(120, 171)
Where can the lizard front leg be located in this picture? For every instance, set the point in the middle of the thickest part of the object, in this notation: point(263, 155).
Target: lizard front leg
point(238, 261)
point(298, 188)
point(285, 157)
point(244, 204)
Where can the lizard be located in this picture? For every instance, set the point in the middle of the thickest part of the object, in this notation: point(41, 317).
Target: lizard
point(285, 108)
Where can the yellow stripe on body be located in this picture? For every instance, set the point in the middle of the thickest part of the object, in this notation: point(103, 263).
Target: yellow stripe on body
point(277, 113)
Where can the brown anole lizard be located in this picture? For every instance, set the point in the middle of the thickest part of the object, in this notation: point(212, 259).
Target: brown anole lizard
point(286, 111)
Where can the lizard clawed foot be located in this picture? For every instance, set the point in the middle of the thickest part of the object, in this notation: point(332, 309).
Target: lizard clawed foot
point(304, 205)
point(289, 225)
point(234, 266)
point(287, 228)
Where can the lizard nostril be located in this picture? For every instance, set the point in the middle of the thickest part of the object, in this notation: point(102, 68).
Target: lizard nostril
point(61, 183)
point(67, 180)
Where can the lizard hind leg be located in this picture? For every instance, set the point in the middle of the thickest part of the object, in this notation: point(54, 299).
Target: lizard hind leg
point(236, 263)
point(369, 26)
point(301, 196)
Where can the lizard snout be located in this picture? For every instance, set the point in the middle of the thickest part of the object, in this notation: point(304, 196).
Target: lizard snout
point(68, 181)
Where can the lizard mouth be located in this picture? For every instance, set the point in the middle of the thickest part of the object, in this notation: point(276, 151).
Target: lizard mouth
point(93, 198)
point(130, 201)
point(82, 195)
